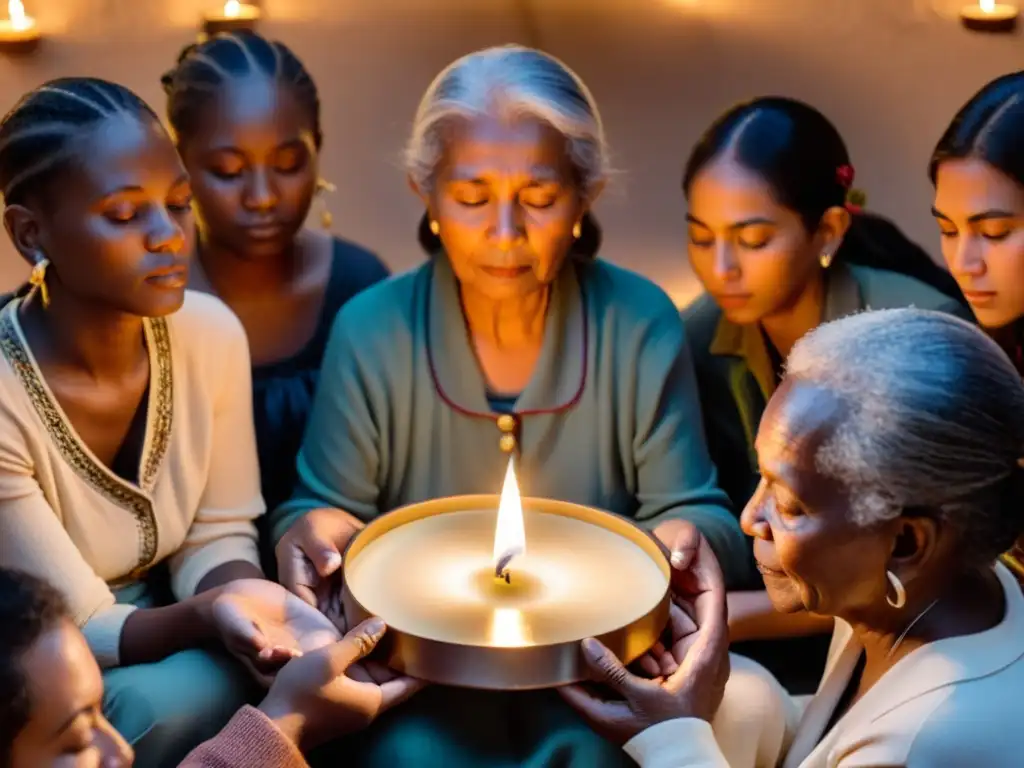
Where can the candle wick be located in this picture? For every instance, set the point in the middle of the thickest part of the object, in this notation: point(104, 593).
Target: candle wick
point(501, 569)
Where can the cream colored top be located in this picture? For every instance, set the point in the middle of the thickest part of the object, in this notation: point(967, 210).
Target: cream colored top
point(954, 702)
point(65, 517)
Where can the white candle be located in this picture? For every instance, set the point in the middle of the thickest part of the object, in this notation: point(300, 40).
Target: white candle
point(234, 16)
point(434, 578)
point(19, 28)
point(561, 578)
point(989, 16)
point(233, 9)
point(497, 592)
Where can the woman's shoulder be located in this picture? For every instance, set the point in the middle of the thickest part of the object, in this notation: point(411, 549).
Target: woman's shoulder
point(701, 318)
point(635, 298)
point(384, 311)
point(387, 298)
point(14, 358)
point(204, 328)
point(883, 289)
point(991, 704)
point(355, 267)
point(205, 312)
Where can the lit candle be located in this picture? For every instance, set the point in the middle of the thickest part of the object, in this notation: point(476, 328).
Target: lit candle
point(19, 31)
point(468, 602)
point(989, 16)
point(234, 16)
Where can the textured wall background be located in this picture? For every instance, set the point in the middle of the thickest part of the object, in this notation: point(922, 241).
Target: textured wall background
point(890, 73)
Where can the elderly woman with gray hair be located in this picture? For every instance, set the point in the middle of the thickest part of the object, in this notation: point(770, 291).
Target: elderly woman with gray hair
point(511, 337)
point(891, 482)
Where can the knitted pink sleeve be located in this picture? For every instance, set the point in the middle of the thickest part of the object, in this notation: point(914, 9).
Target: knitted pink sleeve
point(250, 740)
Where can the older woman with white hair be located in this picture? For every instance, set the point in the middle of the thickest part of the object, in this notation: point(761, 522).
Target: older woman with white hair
point(891, 482)
point(511, 337)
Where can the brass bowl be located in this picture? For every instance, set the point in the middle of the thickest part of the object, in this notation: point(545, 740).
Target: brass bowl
point(501, 668)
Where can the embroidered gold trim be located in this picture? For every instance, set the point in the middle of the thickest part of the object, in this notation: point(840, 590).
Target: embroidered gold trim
point(163, 406)
point(120, 493)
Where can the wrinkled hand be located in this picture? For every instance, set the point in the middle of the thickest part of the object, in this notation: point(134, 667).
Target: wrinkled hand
point(264, 625)
point(316, 697)
point(696, 577)
point(309, 556)
point(688, 674)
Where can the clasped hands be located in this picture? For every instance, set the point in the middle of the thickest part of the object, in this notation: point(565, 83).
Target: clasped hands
point(683, 676)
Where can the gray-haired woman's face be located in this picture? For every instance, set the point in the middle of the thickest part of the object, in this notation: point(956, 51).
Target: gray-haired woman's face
point(506, 200)
point(810, 553)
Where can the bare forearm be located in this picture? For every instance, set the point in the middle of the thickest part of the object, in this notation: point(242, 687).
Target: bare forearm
point(228, 572)
point(752, 617)
point(153, 634)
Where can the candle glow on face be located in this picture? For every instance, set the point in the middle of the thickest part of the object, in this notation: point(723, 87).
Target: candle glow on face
point(16, 12)
point(509, 532)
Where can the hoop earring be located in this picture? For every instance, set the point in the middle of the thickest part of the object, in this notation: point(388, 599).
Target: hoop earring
point(825, 260)
point(37, 279)
point(435, 227)
point(326, 217)
point(577, 230)
point(901, 592)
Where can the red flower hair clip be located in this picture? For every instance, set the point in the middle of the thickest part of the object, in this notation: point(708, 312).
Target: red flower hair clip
point(844, 175)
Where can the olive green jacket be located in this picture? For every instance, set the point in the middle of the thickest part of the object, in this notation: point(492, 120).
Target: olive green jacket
point(734, 371)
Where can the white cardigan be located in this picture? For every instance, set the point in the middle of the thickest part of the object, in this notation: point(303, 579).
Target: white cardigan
point(954, 702)
point(65, 517)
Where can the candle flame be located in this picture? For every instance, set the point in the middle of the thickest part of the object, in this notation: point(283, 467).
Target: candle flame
point(509, 533)
point(16, 12)
point(508, 629)
point(988, 6)
point(232, 9)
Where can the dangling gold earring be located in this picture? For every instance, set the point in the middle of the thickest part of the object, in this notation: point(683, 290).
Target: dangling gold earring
point(577, 230)
point(38, 280)
point(323, 186)
point(435, 227)
point(825, 260)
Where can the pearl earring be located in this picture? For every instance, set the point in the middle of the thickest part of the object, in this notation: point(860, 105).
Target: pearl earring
point(825, 260)
point(435, 228)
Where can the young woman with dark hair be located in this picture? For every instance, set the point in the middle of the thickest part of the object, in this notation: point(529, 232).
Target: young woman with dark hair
point(778, 239)
point(245, 113)
point(126, 437)
point(978, 172)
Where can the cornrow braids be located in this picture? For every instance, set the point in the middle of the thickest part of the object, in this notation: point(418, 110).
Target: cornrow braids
point(203, 68)
point(38, 136)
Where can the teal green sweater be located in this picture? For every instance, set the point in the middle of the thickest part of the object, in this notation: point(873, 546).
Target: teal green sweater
point(401, 414)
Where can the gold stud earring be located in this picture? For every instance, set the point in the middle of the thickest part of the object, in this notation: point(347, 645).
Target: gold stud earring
point(825, 260)
point(435, 227)
point(323, 186)
point(577, 230)
point(38, 280)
